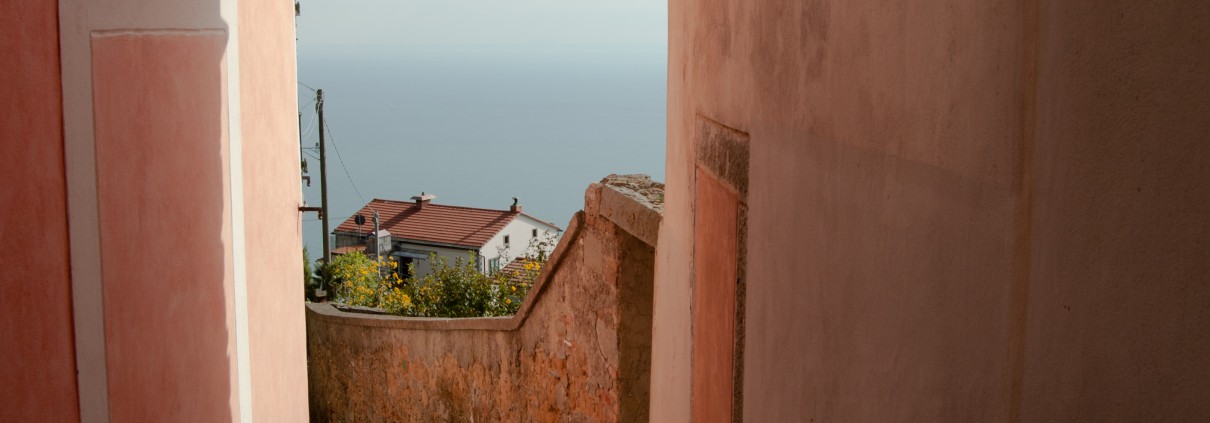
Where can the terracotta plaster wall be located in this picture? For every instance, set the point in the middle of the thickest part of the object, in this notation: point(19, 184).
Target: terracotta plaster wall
point(272, 232)
point(578, 351)
point(40, 379)
point(879, 203)
point(957, 211)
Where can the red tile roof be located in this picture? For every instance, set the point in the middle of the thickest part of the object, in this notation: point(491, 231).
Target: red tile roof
point(513, 270)
point(433, 224)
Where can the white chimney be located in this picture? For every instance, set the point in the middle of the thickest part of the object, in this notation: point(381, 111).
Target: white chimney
point(423, 199)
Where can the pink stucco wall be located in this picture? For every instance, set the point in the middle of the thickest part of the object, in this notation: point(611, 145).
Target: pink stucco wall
point(160, 137)
point(119, 126)
point(957, 211)
point(36, 319)
point(273, 238)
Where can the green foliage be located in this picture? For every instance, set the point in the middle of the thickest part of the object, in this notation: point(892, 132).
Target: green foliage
point(514, 285)
point(458, 289)
point(450, 289)
point(308, 280)
point(360, 281)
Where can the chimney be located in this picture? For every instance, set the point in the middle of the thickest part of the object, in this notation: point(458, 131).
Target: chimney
point(423, 199)
point(515, 208)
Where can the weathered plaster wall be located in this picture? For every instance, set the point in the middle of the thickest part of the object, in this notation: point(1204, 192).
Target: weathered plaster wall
point(1118, 317)
point(36, 321)
point(957, 211)
point(577, 350)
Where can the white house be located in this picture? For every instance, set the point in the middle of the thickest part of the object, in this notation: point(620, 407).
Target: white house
point(411, 230)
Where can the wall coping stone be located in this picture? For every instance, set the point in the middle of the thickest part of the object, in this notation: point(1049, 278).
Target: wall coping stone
point(635, 203)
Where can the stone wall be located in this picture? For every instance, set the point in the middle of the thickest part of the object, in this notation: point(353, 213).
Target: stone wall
point(578, 350)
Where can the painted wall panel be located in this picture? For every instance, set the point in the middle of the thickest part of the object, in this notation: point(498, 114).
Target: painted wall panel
point(715, 223)
point(159, 113)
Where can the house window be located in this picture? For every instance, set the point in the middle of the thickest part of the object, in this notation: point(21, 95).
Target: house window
point(535, 233)
point(506, 240)
point(402, 268)
point(493, 265)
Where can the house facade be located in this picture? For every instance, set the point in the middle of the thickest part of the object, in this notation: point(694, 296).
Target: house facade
point(410, 231)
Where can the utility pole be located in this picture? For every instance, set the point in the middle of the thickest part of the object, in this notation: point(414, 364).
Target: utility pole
point(323, 176)
point(377, 244)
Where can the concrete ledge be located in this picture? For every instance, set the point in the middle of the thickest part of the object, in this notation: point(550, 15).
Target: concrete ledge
point(326, 312)
point(635, 203)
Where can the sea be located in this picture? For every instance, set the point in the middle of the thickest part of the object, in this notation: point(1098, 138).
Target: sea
point(477, 125)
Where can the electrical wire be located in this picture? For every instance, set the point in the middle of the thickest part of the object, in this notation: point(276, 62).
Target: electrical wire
point(312, 100)
point(328, 127)
point(301, 134)
point(339, 219)
point(310, 125)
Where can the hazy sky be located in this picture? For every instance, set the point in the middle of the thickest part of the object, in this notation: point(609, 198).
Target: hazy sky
point(533, 99)
point(428, 22)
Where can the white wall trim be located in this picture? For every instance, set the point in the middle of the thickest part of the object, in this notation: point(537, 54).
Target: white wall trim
point(79, 153)
point(229, 10)
point(79, 22)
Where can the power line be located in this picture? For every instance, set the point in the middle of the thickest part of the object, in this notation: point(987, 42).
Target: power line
point(338, 219)
point(308, 103)
point(342, 219)
point(309, 126)
point(302, 134)
point(307, 86)
point(342, 160)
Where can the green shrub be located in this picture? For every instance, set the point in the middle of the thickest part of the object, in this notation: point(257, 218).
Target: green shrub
point(458, 289)
point(361, 281)
point(451, 289)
